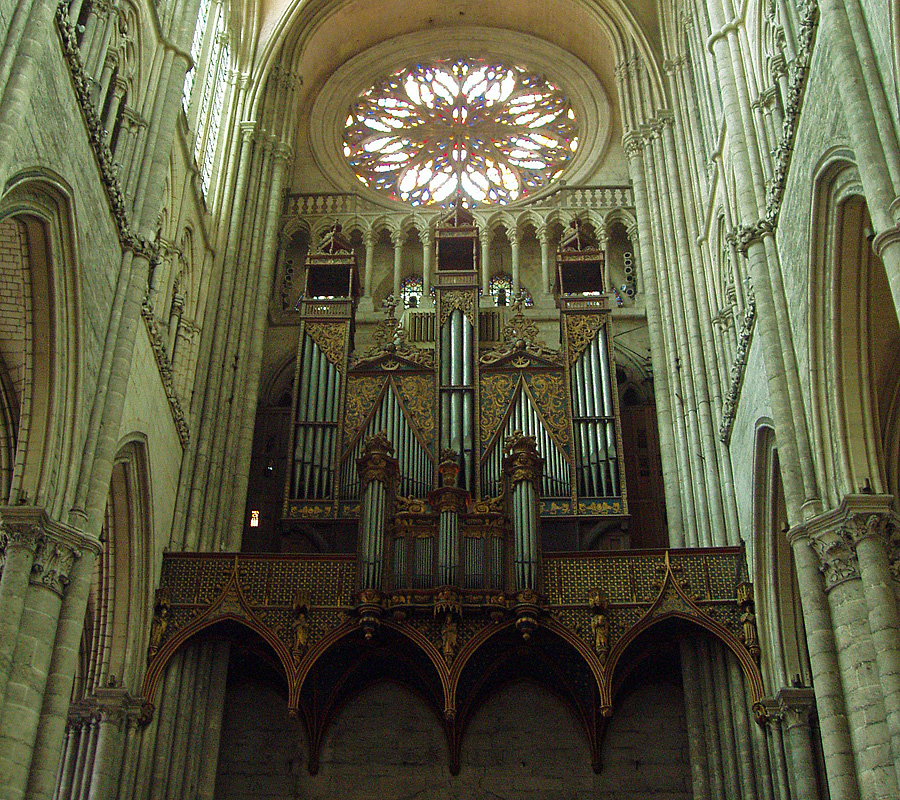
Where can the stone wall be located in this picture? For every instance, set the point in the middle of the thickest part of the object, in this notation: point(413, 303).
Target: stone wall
point(387, 744)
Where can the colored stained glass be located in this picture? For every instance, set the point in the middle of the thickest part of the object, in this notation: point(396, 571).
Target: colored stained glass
point(487, 131)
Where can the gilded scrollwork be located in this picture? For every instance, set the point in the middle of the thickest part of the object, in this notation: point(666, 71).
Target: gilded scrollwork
point(580, 330)
point(391, 339)
point(417, 394)
point(497, 391)
point(330, 337)
point(464, 300)
point(363, 392)
point(549, 393)
point(520, 340)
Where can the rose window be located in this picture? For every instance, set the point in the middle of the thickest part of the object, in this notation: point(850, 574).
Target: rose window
point(487, 131)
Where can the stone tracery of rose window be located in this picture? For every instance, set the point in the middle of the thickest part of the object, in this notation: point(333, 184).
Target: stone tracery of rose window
point(488, 131)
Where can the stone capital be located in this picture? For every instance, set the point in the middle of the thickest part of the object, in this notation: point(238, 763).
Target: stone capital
point(21, 531)
point(56, 547)
point(835, 534)
point(795, 706)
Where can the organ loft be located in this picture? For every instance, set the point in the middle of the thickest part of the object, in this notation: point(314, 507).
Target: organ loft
point(469, 484)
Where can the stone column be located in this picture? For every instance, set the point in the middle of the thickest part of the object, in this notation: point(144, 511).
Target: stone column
point(522, 467)
point(543, 234)
point(398, 239)
point(113, 111)
point(661, 390)
point(427, 237)
point(603, 245)
point(856, 652)
point(873, 133)
point(826, 669)
point(794, 707)
point(22, 53)
point(513, 235)
point(57, 555)
point(485, 235)
point(58, 691)
point(378, 472)
point(769, 713)
point(19, 539)
point(370, 237)
point(869, 526)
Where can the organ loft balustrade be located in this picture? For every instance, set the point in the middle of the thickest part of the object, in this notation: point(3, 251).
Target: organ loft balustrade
point(453, 462)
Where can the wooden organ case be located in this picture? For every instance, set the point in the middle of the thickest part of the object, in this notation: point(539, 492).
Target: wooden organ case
point(446, 456)
point(450, 423)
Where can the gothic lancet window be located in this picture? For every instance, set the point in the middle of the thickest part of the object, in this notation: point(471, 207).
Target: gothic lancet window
point(203, 96)
point(490, 132)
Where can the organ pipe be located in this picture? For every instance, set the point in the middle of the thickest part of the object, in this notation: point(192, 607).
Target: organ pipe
point(523, 467)
point(415, 464)
point(378, 474)
point(595, 419)
point(524, 417)
point(318, 402)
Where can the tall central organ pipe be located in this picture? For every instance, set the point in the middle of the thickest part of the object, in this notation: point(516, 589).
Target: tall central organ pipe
point(457, 359)
point(523, 467)
point(378, 472)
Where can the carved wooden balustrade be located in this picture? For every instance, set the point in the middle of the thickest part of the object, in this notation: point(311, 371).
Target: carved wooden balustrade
point(592, 613)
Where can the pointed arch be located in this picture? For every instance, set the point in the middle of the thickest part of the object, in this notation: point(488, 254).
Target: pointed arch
point(50, 397)
point(855, 336)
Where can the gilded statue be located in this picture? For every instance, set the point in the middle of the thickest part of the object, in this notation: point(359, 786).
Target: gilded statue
point(599, 604)
point(449, 637)
point(161, 611)
point(300, 624)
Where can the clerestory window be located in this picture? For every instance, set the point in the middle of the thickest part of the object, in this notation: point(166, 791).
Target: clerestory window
point(203, 97)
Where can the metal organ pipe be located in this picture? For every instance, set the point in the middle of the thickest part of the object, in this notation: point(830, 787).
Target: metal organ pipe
point(595, 410)
point(415, 461)
point(608, 406)
point(302, 411)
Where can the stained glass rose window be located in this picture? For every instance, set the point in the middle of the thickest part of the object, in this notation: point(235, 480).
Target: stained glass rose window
point(489, 131)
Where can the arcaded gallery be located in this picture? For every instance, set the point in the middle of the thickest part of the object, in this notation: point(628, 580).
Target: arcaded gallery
point(452, 401)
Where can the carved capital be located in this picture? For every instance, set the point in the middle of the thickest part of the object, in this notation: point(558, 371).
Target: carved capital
point(837, 560)
point(522, 462)
point(56, 547)
point(795, 706)
point(53, 564)
point(19, 535)
point(377, 462)
point(835, 534)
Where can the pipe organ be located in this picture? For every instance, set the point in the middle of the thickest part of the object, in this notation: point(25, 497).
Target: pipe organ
point(449, 413)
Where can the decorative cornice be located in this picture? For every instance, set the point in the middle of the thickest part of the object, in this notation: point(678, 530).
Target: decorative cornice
point(158, 345)
point(97, 136)
point(738, 368)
